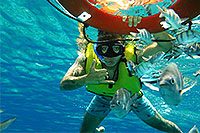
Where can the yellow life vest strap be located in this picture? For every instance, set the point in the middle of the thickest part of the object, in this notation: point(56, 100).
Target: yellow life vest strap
point(130, 52)
point(90, 55)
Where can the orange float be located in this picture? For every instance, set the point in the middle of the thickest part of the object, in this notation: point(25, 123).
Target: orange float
point(113, 23)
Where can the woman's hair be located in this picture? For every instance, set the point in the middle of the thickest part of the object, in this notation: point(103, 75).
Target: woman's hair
point(108, 36)
point(82, 42)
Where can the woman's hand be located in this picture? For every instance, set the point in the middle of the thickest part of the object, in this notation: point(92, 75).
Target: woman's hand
point(132, 20)
point(97, 76)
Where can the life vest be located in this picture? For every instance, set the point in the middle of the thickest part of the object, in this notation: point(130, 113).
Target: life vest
point(124, 80)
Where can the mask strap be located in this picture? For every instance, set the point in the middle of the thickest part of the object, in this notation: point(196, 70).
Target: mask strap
point(100, 32)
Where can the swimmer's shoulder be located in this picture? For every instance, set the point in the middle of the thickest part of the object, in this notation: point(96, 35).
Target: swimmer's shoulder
point(78, 68)
point(81, 59)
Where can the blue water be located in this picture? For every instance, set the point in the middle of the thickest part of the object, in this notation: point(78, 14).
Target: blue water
point(38, 45)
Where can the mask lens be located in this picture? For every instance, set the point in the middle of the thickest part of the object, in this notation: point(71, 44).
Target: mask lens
point(117, 48)
point(104, 49)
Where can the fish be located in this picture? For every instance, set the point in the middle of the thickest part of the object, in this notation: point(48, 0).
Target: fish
point(144, 68)
point(154, 58)
point(147, 66)
point(197, 73)
point(188, 37)
point(174, 52)
point(191, 50)
point(171, 85)
point(194, 49)
point(101, 129)
point(153, 77)
point(143, 2)
point(115, 7)
point(151, 86)
point(144, 35)
point(131, 66)
point(172, 19)
point(194, 130)
point(140, 69)
point(122, 101)
point(6, 123)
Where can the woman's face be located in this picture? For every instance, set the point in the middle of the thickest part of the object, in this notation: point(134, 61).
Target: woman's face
point(111, 61)
point(111, 51)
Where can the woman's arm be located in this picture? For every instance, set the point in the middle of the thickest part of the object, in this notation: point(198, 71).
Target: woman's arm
point(75, 76)
point(155, 47)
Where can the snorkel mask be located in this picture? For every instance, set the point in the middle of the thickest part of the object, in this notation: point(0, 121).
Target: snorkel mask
point(111, 49)
point(108, 47)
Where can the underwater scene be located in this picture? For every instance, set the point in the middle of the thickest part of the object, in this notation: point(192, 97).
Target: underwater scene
point(38, 46)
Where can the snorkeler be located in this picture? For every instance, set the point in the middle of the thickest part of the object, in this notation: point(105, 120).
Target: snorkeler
point(102, 68)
